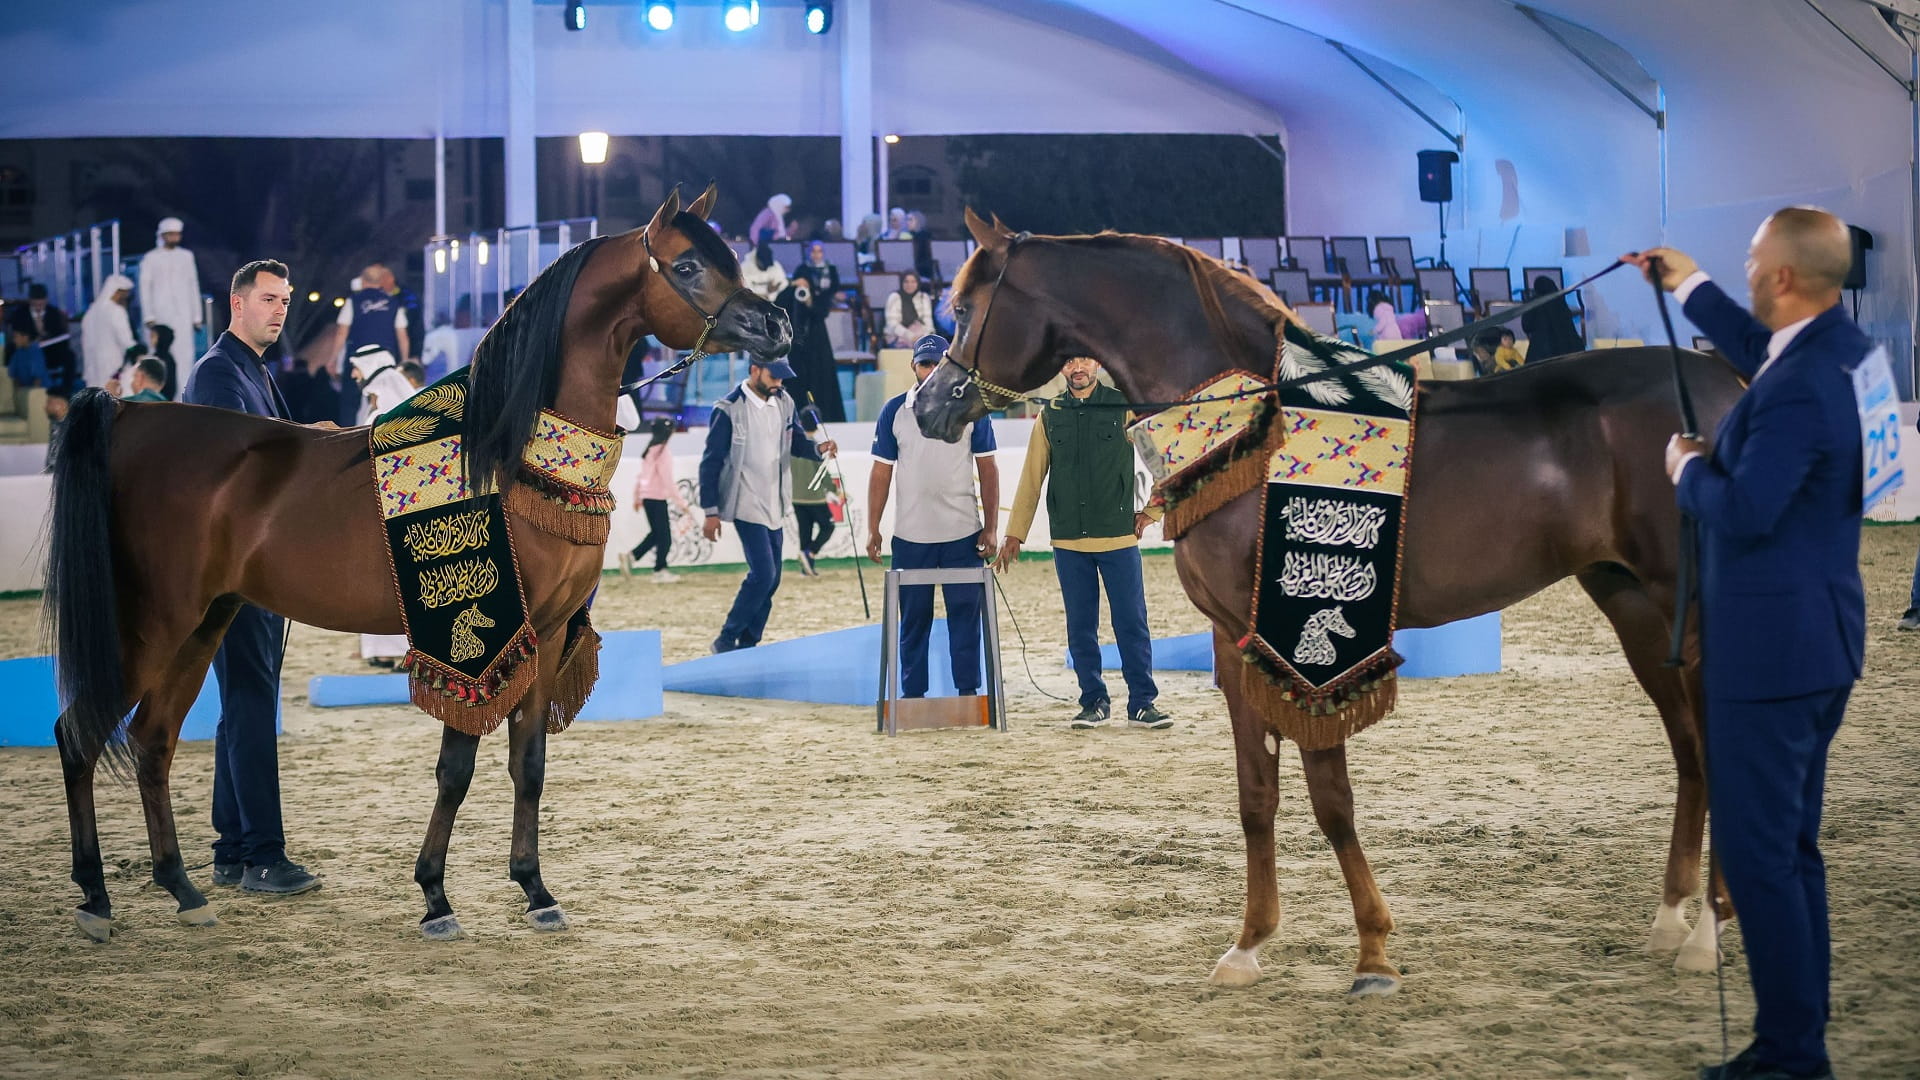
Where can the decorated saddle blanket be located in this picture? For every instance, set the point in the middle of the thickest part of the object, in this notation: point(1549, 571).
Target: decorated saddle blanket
point(1327, 598)
point(1332, 457)
point(451, 551)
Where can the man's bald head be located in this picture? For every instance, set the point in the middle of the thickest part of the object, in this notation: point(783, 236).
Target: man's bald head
point(1796, 263)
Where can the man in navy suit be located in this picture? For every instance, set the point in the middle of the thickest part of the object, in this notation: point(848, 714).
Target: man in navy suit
point(251, 851)
point(1782, 608)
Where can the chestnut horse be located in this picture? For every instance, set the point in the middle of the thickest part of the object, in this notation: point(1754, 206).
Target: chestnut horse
point(168, 517)
point(1565, 455)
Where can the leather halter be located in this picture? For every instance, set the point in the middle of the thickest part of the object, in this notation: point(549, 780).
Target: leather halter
point(972, 377)
point(711, 321)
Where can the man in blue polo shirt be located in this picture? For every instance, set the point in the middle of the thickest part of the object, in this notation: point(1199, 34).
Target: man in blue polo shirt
point(937, 524)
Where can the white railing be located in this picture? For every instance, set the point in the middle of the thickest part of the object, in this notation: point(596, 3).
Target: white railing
point(470, 278)
point(72, 265)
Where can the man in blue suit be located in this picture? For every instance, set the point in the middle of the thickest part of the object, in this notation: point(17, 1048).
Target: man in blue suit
point(1782, 609)
point(251, 851)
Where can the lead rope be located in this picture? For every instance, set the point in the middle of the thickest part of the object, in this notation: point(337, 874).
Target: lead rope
point(970, 377)
point(1686, 585)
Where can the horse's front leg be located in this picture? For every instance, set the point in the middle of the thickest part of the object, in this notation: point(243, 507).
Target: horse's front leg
point(1257, 763)
point(527, 763)
point(1332, 797)
point(452, 775)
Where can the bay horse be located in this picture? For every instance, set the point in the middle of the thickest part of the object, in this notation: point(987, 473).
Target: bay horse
point(1566, 455)
point(168, 517)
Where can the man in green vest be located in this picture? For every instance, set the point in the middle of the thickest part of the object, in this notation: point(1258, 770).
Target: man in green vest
point(1081, 440)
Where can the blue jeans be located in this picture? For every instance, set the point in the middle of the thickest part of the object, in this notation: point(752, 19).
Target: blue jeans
point(246, 748)
point(916, 614)
point(1767, 770)
point(1080, 575)
point(751, 606)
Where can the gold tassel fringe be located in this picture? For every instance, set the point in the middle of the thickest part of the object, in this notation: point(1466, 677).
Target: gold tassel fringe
point(585, 523)
point(579, 671)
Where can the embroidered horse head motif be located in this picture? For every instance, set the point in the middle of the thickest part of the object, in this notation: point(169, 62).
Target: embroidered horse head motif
point(466, 643)
point(1315, 646)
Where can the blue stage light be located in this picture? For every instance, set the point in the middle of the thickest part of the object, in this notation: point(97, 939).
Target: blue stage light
point(660, 14)
point(576, 16)
point(819, 16)
point(738, 16)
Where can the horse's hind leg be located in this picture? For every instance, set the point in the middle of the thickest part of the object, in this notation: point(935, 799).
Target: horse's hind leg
point(453, 774)
point(1332, 796)
point(527, 762)
point(1258, 767)
point(155, 735)
point(95, 913)
point(1644, 630)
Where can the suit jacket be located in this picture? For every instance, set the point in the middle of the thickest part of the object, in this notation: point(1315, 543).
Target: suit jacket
point(1783, 609)
point(230, 376)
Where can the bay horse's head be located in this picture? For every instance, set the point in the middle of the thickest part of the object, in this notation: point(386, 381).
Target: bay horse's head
point(1003, 344)
point(693, 297)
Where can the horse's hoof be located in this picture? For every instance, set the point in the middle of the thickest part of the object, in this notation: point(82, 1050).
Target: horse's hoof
point(1693, 958)
point(1701, 950)
point(1237, 967)
point(95, 927)
point(198, 916)
point(548, 918)
point(444, 928)
point(1661, 940)
point(1669, 931)
point(1373, 985)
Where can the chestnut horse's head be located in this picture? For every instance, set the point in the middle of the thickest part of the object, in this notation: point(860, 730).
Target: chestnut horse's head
point(1004, 340)
point(693, 298)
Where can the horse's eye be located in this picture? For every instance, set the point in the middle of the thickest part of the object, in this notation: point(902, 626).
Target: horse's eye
point(686, 270)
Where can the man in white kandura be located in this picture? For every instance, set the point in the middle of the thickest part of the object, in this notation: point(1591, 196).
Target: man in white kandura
point(170, 287)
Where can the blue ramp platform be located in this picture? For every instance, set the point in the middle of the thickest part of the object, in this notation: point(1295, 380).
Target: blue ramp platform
point(1468, 647)
point(629, 686)
point(26, 685)
point(841, 667)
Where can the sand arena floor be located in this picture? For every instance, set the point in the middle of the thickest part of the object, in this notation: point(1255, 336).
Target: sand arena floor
point(769, 889)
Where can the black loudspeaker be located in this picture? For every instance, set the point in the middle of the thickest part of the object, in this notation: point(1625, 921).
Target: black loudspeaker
point(1436, 175)
point(1857, 273)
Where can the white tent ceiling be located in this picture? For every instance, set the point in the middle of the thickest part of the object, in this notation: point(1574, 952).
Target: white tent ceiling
point(1767, 101)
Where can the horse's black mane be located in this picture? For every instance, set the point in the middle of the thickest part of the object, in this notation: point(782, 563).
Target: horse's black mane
point(516, 371)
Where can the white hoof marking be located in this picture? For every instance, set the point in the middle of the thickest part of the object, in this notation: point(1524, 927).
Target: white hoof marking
point(1238, 967)
point(1701, 950)
point(1670, 929)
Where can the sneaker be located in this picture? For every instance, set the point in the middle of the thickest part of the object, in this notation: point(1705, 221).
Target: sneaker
point(283, 877)
point(806, 563)
point(626, 563)
point(228, 874)
point(1091, 716)
point(664, 577)
point(722, 645)
point(1909, 621)
point(1150, 718)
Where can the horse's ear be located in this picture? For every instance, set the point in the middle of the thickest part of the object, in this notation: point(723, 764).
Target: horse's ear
point(702, 207)
point(663, 217)
point(987, 236)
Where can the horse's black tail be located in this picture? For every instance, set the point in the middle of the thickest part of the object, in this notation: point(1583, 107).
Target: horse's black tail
point(82, 617)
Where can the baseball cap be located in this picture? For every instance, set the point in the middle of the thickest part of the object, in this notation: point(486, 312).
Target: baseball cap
point(929, 349)
point(775, 366)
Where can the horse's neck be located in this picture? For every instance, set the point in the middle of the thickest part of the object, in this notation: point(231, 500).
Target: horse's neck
point(604, 323)
point(1164, 345)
